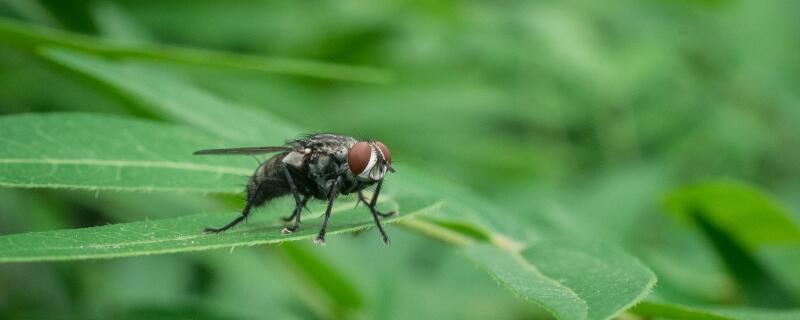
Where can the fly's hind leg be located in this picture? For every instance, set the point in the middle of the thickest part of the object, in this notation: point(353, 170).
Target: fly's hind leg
point(296, 216)
point(245, 212)
point(297, 210)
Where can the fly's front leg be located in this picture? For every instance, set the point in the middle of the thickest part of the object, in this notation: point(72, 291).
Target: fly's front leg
point(320, 239)
point(299, 204)
point(375, 212)
point(371, 203)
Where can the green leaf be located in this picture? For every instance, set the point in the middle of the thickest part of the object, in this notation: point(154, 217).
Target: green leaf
point(105, 146)
point(748, 230)
point(97, 152)
point(528, 282)
point(746, 213)
point(464, 216)
point(168, 96)
point(112, 153)
point(675, 311)
point(572, 282)
point(29, 37)
point(760, 287)
point(185, 233)
point(342, 295)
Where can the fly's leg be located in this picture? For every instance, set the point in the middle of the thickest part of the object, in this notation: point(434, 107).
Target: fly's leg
point(296, 215)
point(300, 204)
point(371, 203)
point(380, 227)
point(240, 218)
point(297, 209)
point(320, 239)
point(375, 213)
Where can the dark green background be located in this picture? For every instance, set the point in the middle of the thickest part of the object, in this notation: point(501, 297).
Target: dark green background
point(577, 116)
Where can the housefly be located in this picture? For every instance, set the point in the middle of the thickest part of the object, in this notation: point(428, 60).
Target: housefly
point(321, 166)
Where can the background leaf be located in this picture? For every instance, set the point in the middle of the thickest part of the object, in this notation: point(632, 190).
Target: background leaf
point(748, 229)
point(742, 211)
point(30, 36)
point(167, 95)
point(673, 311)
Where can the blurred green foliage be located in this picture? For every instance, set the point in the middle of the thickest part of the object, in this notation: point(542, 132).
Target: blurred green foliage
point(585, 120)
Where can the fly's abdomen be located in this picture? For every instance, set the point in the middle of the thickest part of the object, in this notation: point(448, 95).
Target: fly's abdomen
point(268, 182)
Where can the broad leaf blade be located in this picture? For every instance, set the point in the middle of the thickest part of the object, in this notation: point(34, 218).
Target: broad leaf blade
point(589, 281)
point(527, 282)
point(180, 102)
point(607, 278)
point(97, 152)
point(185, 234)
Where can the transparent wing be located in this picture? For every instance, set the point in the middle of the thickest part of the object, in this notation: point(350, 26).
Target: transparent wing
point(252, 150)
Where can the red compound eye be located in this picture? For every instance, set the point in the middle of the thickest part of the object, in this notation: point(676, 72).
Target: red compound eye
point(385, 150)
point(358, 157)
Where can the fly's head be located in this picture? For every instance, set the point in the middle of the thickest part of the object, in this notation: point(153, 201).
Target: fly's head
point(369, 160)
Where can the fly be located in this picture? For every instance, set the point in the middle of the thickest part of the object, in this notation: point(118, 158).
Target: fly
point(321, 166)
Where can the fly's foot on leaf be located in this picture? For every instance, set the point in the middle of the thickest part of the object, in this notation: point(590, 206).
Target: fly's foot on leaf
point(387, 214)
point(213, 230)
point(288, 230)
point(320, 240)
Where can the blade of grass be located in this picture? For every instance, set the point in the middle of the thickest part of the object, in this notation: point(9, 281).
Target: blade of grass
point(28, 37)
point(746, 227)
point(166, 95)
point(339, 293)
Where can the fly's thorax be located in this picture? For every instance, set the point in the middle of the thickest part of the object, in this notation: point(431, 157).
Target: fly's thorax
point(297, 157)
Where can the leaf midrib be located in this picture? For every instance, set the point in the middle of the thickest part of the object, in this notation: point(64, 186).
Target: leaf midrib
point(348, 228)
point(180, 237)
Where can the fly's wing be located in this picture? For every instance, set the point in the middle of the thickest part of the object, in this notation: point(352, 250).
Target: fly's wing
point(243, 151)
